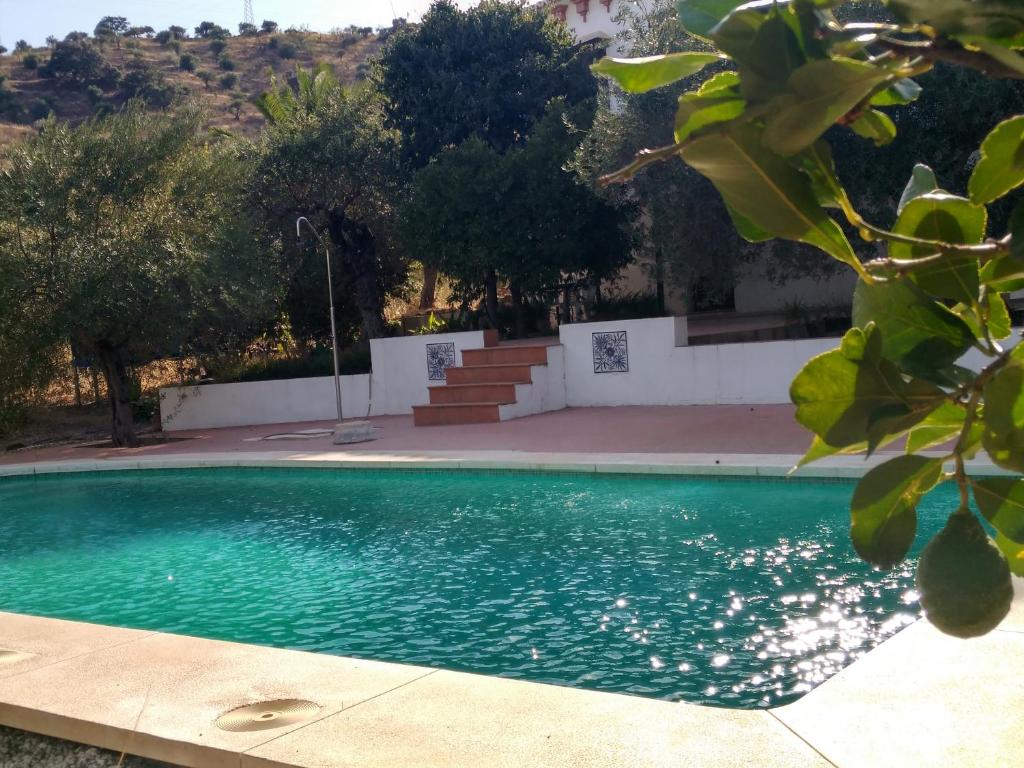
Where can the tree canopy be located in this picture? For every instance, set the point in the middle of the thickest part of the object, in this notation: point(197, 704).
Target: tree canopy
point(488, 72)
point(327, 156)
point(128, 237)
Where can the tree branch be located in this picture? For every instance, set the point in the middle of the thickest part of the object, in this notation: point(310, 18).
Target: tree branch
point(942, 49)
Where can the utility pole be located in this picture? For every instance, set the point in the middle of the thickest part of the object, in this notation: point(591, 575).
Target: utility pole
point(249, 17)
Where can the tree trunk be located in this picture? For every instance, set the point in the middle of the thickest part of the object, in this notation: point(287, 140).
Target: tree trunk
point(112, 360)
point(491, 297)
point(429, 287)
point(517, 302)
point(358, 249)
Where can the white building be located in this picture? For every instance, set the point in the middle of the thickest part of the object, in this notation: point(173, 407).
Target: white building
point(753, 291)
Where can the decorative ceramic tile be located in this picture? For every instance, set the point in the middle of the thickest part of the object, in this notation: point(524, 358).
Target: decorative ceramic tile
point(440, 357)
point(610, 352)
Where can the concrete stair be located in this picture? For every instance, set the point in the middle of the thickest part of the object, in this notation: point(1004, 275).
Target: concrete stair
point(491, 385)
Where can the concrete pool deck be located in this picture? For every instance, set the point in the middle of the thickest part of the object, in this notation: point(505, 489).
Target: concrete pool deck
point(919, 699)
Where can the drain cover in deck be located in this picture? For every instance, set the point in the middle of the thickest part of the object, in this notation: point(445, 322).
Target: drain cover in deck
point(266, 715)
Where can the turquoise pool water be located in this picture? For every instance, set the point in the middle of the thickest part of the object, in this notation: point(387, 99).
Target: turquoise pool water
point(734, 593)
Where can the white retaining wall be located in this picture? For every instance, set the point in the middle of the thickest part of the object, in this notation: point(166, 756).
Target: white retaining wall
point(660, 370)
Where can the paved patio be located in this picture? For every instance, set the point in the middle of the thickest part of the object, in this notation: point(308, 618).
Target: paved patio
point(717, 429)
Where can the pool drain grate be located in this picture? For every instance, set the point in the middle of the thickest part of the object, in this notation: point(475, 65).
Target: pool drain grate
point(265, 715)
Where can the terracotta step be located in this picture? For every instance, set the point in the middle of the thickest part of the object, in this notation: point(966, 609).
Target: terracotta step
point(504, 392)
point(489, 374)
point(455, 413)
point(537, 355)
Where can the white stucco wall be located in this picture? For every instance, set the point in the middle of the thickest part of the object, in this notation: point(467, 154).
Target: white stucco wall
point(400, 381)
point(599, 22)
point(400, 377)
point(261, 402)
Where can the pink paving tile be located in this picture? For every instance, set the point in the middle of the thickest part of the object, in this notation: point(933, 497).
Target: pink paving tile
point(624, 429)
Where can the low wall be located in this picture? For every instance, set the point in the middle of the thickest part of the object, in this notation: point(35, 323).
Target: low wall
point(658, 369)
point(261, 402)
point(402, 371)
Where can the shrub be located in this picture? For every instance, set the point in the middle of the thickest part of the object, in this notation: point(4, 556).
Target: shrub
point(164, 36)
point(146, 82)
point(77, 62)
point(175, 45)
point(247, 30)
point(268, 27)
point(30, 61)
point(40, 109)
point(273, 43)
point(627, 306)
point(229, 81)
point(217, 46)
point(206, 76)
point(179, 32)
point(287, 50)
point(187, 62)
point(226, 63)
point(21, 47)
point(95, 94)
point(354, 360)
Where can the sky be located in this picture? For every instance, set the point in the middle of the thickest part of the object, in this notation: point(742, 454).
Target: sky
point(33, 20)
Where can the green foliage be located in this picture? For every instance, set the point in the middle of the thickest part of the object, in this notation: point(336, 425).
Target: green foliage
point(328, 156)
point(145, 82)
point(77, 63)
point(227, 81)
point(187, 62)
point(217, 46)
point(477, 213)
point(496, 66)
point(320, 362)
point(268, 27)
point(30, 61)
point(128, 236)
point(225, 62)
point(805, 80)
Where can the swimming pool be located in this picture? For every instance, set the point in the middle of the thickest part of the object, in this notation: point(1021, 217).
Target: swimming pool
point(738, 593)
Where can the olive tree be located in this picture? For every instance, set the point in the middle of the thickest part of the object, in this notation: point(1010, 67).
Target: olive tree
point(762, 134)
point(326, 155)
point(128, 237)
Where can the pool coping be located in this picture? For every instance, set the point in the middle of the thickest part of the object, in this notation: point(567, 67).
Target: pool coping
point(83, 682)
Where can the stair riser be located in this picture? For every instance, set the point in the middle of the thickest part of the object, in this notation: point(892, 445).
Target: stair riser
point(517, 374)
point(477, 393)
point(505, 356)
point(430, 416)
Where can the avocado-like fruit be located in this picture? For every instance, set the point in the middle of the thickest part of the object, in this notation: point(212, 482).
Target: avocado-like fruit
point(963, 579)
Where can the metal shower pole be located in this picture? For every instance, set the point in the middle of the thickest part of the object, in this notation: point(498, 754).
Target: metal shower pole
point(330, 296)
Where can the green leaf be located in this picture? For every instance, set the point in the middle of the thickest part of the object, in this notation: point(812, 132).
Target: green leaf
point(999, 322)
point(1004, 396)
point(1017, 232)
point(766, 190)
point(699, 17)
point(817, 94)
point(1014, 553)
point(1000, 20)
point(919, 334)
point(650, 72)
point(1006, 451)
point(900, 93)
point(883, 509)
point(717, 101)
point(922, 181)
point(746, 229)
point(1001, 501)
point(1001, 167)
point(876, 126)
point(839, 394)
point(1004, 275)
point(774, 54)
point(940, 426)
point(945, 218)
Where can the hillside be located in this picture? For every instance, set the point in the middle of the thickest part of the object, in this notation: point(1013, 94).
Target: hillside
point(30, 96)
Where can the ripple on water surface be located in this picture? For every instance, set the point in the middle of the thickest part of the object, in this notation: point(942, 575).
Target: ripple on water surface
point(735, 593)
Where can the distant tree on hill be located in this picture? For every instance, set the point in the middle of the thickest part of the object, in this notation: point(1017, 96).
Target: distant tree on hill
point(225, 62)
point(21, 46)
point(206, 76)
point(111, 28)
point(210, 29)
point(145, 82)
point(51, 41)
point(30, 61)
point(73, 37)
point(229, 81)
point(187, 62)
point(268, 27)
point(78, 63)
point(3, 50)
point(140, 32)
point(217, 46)
point(179, 32)
point(236, 105)
point(247, 30)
